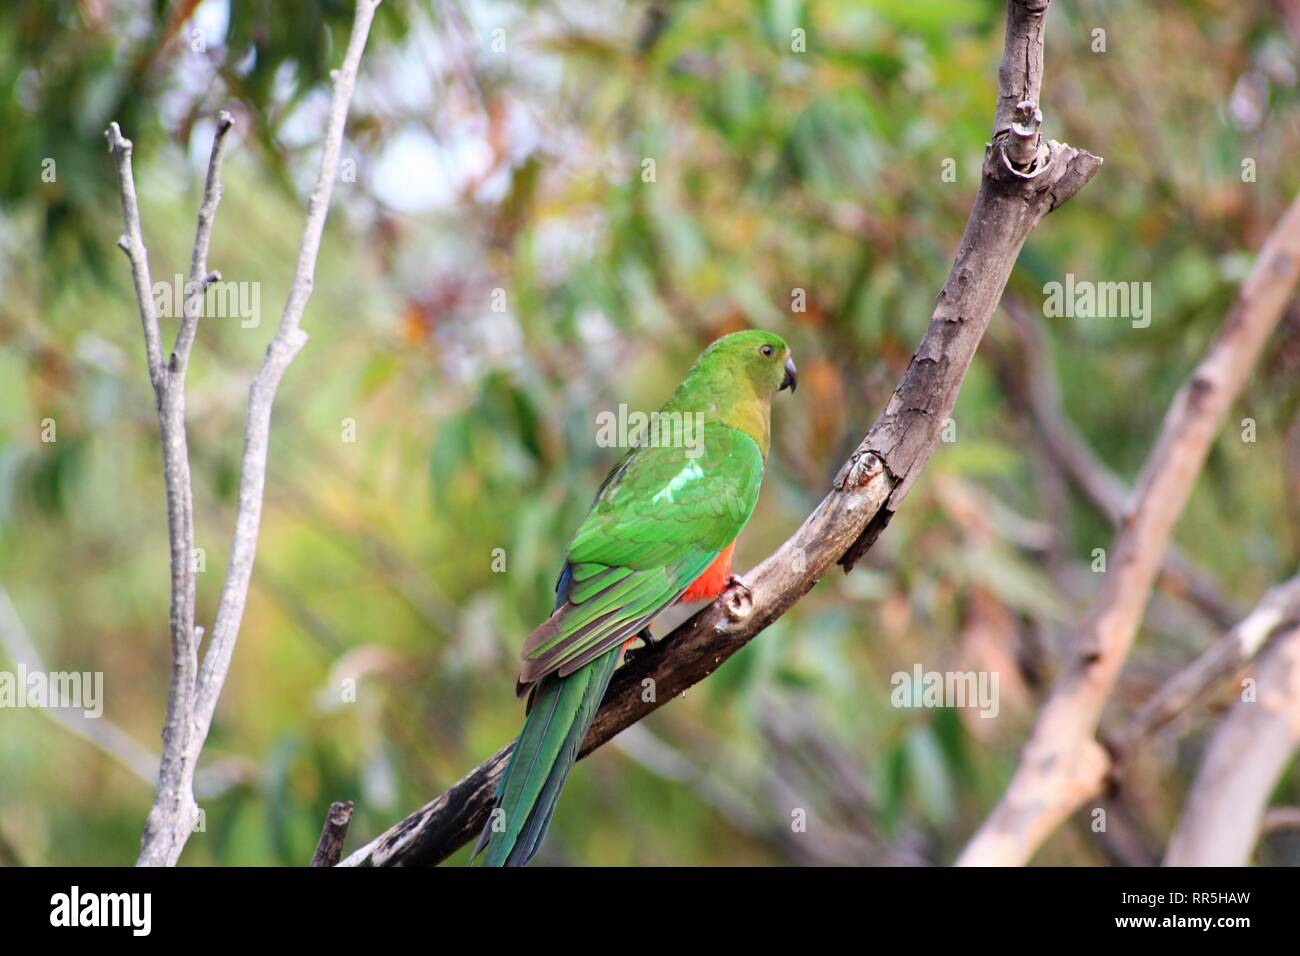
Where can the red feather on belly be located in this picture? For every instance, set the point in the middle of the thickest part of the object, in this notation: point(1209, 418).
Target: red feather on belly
point(706, 587)
point(713, 581)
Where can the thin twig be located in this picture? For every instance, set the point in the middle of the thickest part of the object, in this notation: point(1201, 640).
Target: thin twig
point(105, 735)
point(132, 243)
point(100, 732)
point(200, 278)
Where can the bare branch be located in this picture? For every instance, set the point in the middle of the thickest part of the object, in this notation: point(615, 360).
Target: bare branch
point(132, 243)
point(1250, 749)
point(1278, 820)
point(173, 808)
point(106, 735)
point(1062, 764)
point(200, 279)
point(289, 339)
point(1010, 202)
point(1106, 490)
point(100, 732)
point(194, 690)
point(1278, 609)
point(335, 832)
point(869, 486)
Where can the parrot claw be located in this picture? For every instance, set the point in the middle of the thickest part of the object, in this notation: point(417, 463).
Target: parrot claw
point(648, 643)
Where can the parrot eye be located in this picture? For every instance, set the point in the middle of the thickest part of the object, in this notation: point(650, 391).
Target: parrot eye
point(766, 350)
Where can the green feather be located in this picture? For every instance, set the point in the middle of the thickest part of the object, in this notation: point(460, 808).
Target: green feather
point(545, 752)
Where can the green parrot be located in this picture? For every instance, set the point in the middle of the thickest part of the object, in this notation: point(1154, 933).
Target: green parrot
point(661, 530)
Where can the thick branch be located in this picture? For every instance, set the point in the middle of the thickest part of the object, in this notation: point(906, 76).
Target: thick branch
point(1249, 751)
point(1009, 204)
point(868, 487)
point(1062, 764)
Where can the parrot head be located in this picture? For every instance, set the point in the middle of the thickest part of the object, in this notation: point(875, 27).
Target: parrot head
point(760, 359)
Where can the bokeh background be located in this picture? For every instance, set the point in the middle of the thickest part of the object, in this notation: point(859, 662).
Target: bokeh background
point(513, 161)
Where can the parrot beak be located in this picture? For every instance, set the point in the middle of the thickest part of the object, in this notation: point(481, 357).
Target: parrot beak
point(791, 379)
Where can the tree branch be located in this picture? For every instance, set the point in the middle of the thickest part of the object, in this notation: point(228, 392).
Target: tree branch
point(1107, 491)
point(108, 737)
point(100, 732)
point(333, 835)
point(1012, 198)
point(1278, 610)
point(200, 279)
point(289, 339)
point(1279, 820)
point(1252, 745)
point(174, 799)
point(132, 243)
point(1062, 764)
point(192, 698)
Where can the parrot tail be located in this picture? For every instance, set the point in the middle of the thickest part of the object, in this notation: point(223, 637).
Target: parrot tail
point(561, 713)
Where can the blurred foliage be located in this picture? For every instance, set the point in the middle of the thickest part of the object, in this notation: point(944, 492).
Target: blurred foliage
point(497, 272)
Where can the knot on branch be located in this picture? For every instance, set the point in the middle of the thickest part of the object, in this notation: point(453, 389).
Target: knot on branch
point(861, 468)
point(1023, 145)
point(117, 143)
point(1019, 145)
point(738, 602)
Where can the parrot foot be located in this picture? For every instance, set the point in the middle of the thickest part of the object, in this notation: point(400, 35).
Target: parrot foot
point(649, 643)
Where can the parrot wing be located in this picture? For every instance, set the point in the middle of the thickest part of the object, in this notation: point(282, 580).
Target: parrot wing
point(659, 520)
